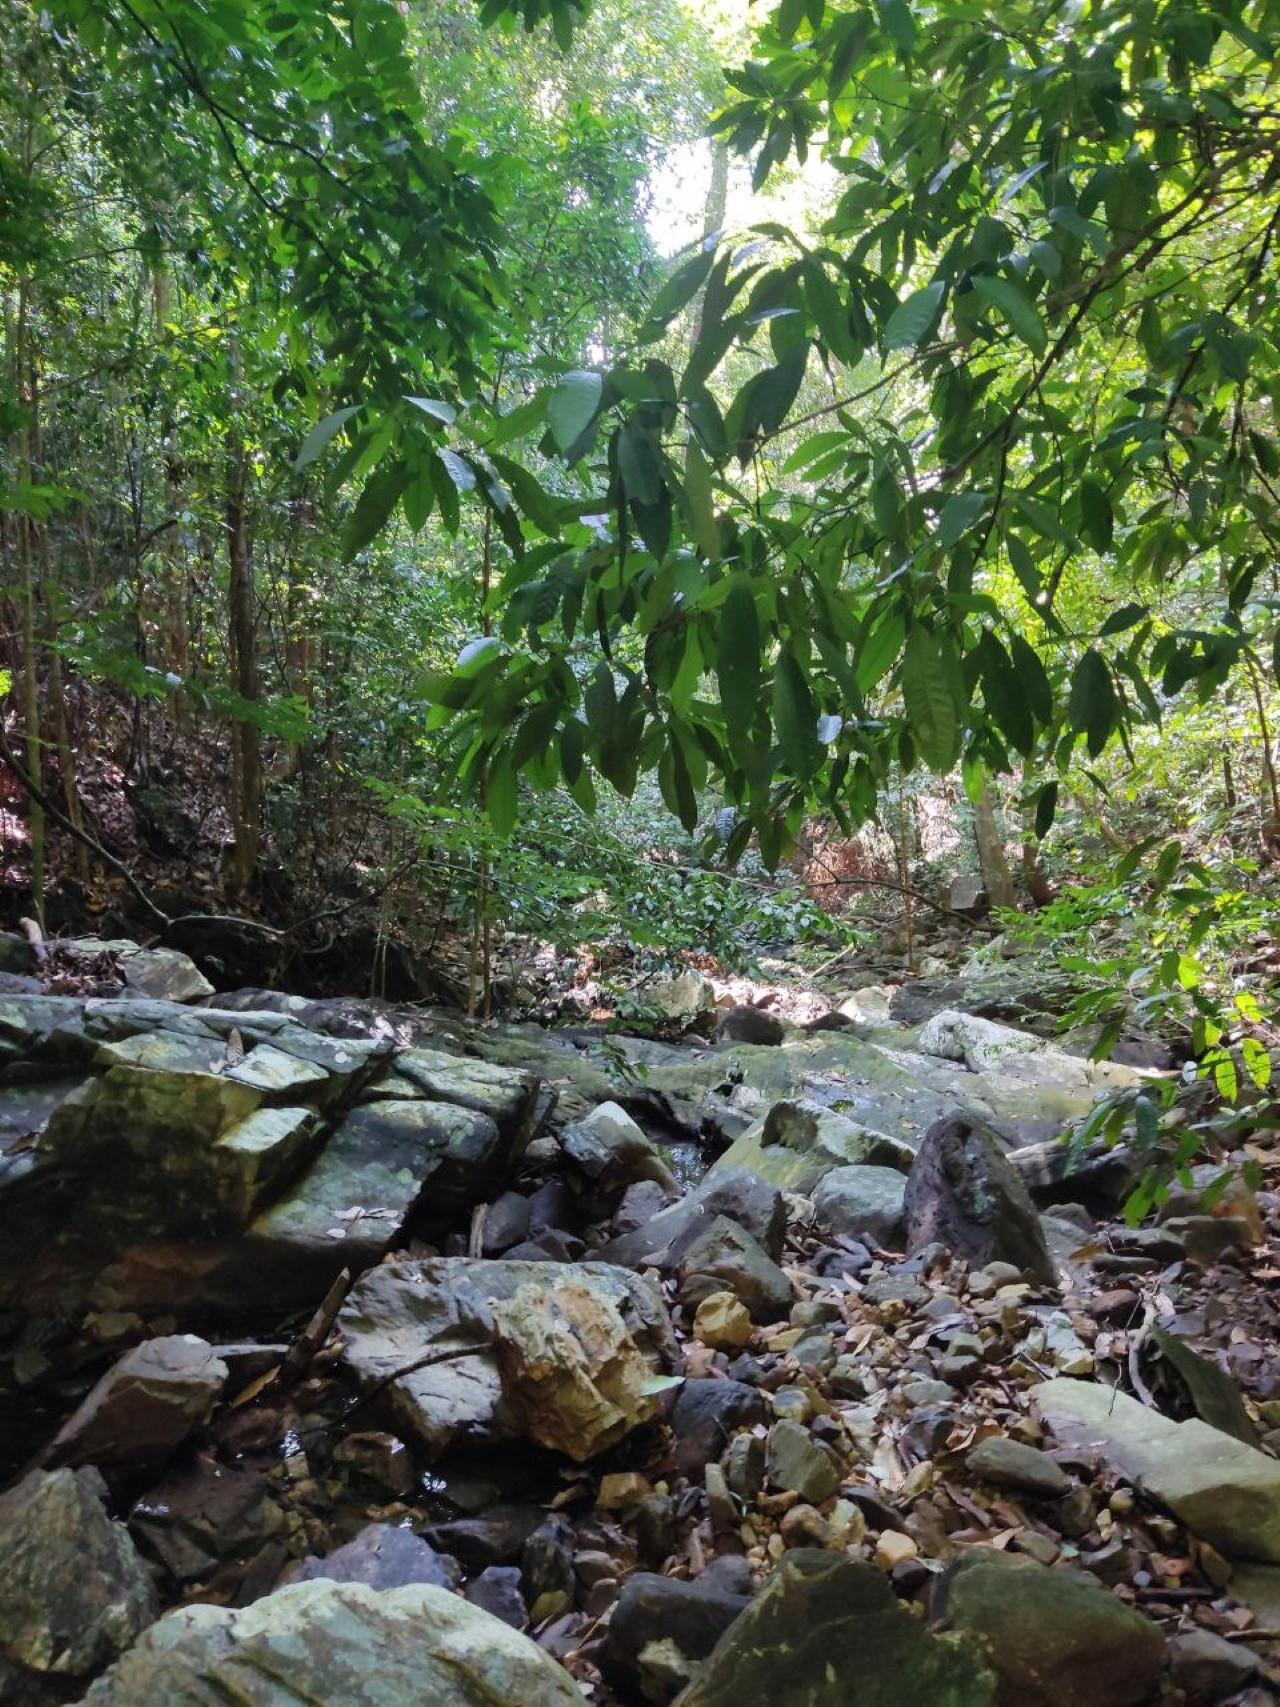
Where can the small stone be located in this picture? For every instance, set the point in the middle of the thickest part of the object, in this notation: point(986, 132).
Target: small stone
point(892, 1548)
point(720, 1502)
point(927, 1393)
point(622, 1489)
point(804, 1526)
point(1206, 1667)
point(1009, 1464)
point(744, 1466)
point(794, 1403)
point(497, 1590)
point(1042, 1548)
point(847, 1524)
point(798, 1462)
point(723, 1322)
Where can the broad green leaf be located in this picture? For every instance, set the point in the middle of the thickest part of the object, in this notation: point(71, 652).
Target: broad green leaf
point(444, 413)
point(1015, 307)
point(458, 469)
point(738, 645)
point(794, 718)
point(1092, 707)
point(1046, 808)
point(501, 797)
point(321, 435)
point(640, 463)
point(914, 318)
point(1096, 517)
point(572, 406)
point(679, 290)
point(959, 514)
point(699, 501)
point(1032, 678)
point(929, 699)
point(877, 654)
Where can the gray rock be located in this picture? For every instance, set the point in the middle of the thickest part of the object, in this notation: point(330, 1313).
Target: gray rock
point(509, 1096)
point(745, 1024)
point(1207, 1668)
point(654, 1610)
point(1018, 1057)
point(800, 1464)
point(1225, 1492)
point(73, 1592)
point(827, 1632)
point(706, 1414)
point(800, 1141)
point(497, 1590)
point(568, 1355)
point(494, 1537)
point(725, 1257)
point(340, 1645)
point(506, 1223)
point(862, 1202)
point(381, 1555)
point(145, 1406)
point(962, 1192)
point(735, 1192)
point(1054, 1638)
point(612, 1151)
point(1011, 1464)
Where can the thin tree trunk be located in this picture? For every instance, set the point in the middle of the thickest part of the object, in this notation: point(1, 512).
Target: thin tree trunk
point(996, 877)
point(246, 769)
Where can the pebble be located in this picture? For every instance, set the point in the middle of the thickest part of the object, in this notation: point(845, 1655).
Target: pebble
point(805, 1526)
point(1009, 1464)
point(893, 1547)
point(723, 1322)
point(799, 1463)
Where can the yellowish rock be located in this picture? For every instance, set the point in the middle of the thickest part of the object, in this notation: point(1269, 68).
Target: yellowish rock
point(893, 1547)
point(723, 1322)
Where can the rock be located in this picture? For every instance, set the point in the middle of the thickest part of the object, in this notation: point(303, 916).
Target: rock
point(725, 1257)
point(73, 1591)
point(735, 1193)
point(145, 1406)
point(546, 1568)
point(862, 1202)
point(161, 973)
point(509, 1096)
point(1225, 1492)
point(569, 1356)
point(800, 1141)
point(1207, 1668)
point(962, 1192)
point(683, 1000)
point(723, 1322)
point(1009, 1464)
point(340, 1644)
point(506, 1223)
point(496, 1537)
point(640, 1203)
point(377, 1458)
point(1054, 1638)
point(380, 1555)
point(497, 1591)
point(744, 1024)
point(967, 894)
point(1099, 1177)
point(192, 1519)
point(706, 1414)
point(654, 1610)
point(1018, 1057)
point(612, 1151)
point(828, 1632)
point(800, 1464)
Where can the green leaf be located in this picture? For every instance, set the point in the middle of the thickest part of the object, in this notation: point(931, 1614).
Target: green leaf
point(929, 699)
point(738, 656)
point(1128, 616)
point(640, 463)
point(572, 406)
point(699, 502)
point(458, 469)
point(1092, 707)
point(794, 718)
point(502, 797)
point(444, 413)
point(914, 317)
point(877, 654)
point(1046, 807)
point(1033, 679)
point(1097, 521)
point(321, 435)
point(1014, 306)
point(679, 290)
point(958, 515)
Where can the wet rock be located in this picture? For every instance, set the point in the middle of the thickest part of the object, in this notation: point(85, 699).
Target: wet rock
point(827, 1632)
point(1054, 1638)
point(495, 1537)
point(73, 1591)
point(1207, 1668)
point(497, 1591)
point(380, 1555)
point(962, 1192)
point(800, 1464)
point(1010, 1464)
point(653, 1611)
point(341, 1644)
point(546, 1568)
point(1225, 1492)
point(734, 1193)
point(706, 1414)
point(724, 1257)
point(192, 1520)
point(567, 1355)
point(377, 1458)
point(640, 1203)
point(862, 1202)
point(613, 1152)
point(145, 1406)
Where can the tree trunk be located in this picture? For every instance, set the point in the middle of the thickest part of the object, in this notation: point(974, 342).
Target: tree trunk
point(996, 877)
point(246, 756)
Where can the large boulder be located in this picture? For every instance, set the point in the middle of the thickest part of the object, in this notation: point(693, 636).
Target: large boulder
point(145, 1406)
point(612, 1151)
point(73, 1591)
point(829, 1632)
point(724, 1257)
point(963, 1193)
point(862, 1202)
point(1054, 1638)
point(800, 1141)
point(570, 1355)
point(336, 1645)
point(1225, 1492)
point(734, 1193)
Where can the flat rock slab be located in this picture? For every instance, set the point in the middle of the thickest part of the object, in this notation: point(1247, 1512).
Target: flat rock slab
point(828, 1632)
point(337, 1645)
point(568, 1354)
point(1225, 1492)
point(145, 1406)
point(507, 1095)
